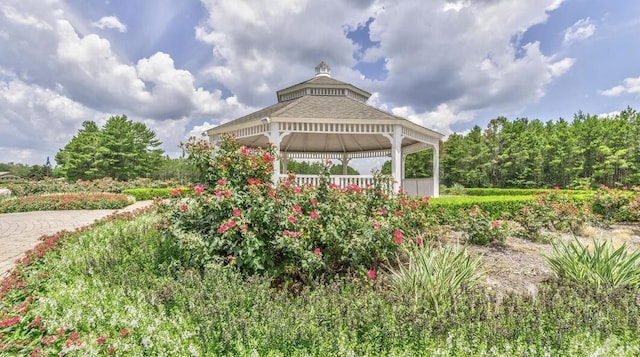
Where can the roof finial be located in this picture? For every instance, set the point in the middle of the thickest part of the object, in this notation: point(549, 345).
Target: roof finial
point(323, 69)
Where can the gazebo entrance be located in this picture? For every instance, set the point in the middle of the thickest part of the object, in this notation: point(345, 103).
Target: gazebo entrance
point(323, 118)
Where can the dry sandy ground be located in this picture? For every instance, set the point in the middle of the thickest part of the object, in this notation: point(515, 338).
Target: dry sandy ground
point(519, 265)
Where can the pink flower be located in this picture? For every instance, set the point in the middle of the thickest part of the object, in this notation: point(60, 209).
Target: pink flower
point(297, 190)
point(398, 213)
point(236, 212)
point(223, 228)
point(287, 184)
point(371, 274)
point(317, 251)
point(124, 332)
point(376, 226)
point(101, 340)
point(293, 219)
point(244, 151)
point(383, 211)
point(398, 236)
point(267, 157)
point(291, 234)
point(183, 208)
point(176, 192)
point(271, 193)
point(314, 202)
point(297, 208)
point(496, 223)
point(419, 240)
point(218, 193)
point(227, 193)
point(403, 202)
point(231, 224)
point(222, 182)
point(314, 214)
point(199, 189)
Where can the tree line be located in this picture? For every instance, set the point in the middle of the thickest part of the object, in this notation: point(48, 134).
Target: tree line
point(588, 151)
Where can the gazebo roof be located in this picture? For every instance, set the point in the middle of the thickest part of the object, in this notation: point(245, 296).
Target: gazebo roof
point(335, 113)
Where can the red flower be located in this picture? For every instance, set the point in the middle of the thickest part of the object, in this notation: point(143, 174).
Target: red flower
point(101, 340)
point(231, 224)
point(176, 192)
point(297, 190)
point(371, 274)
point(376, 226)
point(74, 336)
point(317, 251)
point(199, 189)
point(314, 202)
point(49, 340)
point(419, 240)
point(398, 236)
point(297, 208)
point(383, 211)
point(236, 212)
point(183, 208)
point(218, 193)
point(244, 151)
point(398, 213)
point(293, 219)
point(222, 182)
point(7, 322)
point(314, 214)
point(271, 193)
point(124, 332)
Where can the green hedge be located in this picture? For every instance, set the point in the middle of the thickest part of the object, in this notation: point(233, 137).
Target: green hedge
point(515, 191)
point(65, 201)
point(495, 206)
point(142, 194)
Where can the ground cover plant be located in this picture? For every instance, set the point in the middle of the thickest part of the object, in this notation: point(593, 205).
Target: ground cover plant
point(69, 201)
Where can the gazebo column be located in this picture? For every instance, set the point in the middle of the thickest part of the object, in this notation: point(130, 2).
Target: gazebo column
point(436, 171)
point(396, 157)
point(274, 139)
point(285, 162)
point(345, 164)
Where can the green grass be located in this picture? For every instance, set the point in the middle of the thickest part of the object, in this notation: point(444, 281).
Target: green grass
point(112, 284)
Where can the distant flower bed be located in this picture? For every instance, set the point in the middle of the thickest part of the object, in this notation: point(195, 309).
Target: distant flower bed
point(107, 184)
point(67, 201)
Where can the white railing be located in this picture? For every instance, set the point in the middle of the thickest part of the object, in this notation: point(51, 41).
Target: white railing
point(339, 180)
point(421, 187)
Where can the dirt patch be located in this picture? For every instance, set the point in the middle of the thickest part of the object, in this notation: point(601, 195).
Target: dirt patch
point(519, 265)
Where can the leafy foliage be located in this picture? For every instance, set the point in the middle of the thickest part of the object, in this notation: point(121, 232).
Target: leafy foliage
point(603, 266)
point(122, 149)
point(432, 276)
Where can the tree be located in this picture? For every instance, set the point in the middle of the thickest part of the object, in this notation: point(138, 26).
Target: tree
point(122, 149)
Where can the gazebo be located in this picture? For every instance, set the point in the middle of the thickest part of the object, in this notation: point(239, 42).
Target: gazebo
point(323, 118)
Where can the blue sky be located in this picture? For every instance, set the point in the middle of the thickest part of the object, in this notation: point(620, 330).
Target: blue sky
point(183, 66)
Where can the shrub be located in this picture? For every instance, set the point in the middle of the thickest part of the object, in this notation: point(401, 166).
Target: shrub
point(73, 201)
point(480, 228)
point(603, 266)
point(433, 276)
point(286, 231)
point(617, 205)
point(496, 207)
point(552, 211)
point(516, 191)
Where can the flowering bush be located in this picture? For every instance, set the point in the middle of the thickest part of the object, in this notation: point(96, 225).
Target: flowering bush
point(616, 205)
point(480, 228)
point(552, 211)
point(70, 201)
point(285, 231)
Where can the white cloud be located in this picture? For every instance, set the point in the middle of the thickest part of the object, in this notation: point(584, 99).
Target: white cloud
point(579, 31)
point(110, 22)
point(629, 85)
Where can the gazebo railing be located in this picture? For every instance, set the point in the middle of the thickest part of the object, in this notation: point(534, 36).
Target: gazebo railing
point(338, 180)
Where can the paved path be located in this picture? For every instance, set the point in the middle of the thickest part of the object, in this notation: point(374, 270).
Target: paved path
point(20, 232)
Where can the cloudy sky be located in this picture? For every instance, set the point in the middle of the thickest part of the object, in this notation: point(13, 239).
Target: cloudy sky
point(181, 66)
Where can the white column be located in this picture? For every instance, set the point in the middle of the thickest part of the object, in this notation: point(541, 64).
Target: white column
point(345, 163)
point(404, 165)
point(285, 161)
point(396, 157)
point(436, 171)
point(274, 138)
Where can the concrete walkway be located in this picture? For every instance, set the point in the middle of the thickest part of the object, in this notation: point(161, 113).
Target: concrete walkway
point(20, 232)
